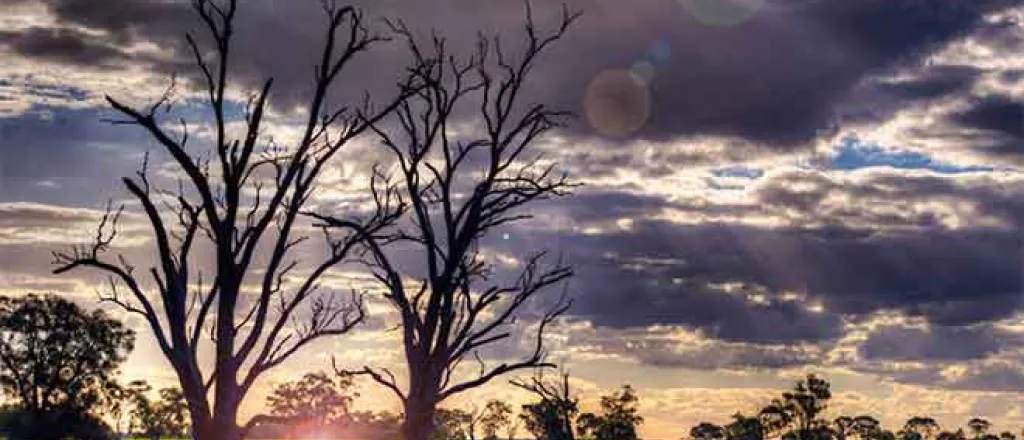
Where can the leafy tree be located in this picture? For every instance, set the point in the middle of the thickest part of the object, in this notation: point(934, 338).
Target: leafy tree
point(744, 428)
point(947, 435)
point(869, 428)
point(173, 409)
point(708, 431)
point(317, 397)
point(774, 418)
point(166, 417)
point(797, 414)
point(58, 363)
point(139, 407)
point(843, 427)
point(452, 424)
point(979, 427)
point(496, 415)
point(618, 419)
point(925, 427)
point(240, 198)
point(866, 427)
point(374, 426)
point(455, 191)
point(552, 417)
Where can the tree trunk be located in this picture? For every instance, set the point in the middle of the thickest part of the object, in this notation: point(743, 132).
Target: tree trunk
point(218, 431)
point(419, 417)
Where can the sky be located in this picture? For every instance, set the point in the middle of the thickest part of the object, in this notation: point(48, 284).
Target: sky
point(769, 187)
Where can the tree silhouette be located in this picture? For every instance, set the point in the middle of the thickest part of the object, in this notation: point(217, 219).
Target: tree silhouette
point(456, 188)
point(495, 416)
point(869, 428)
point(744, 428)
point(553, 416)
point(58, 362)
point(618, 419)
point(239, 199)
point(925, 427)
point(796, 416)
point(317, 395)
point(374, 426)
point(166, 417)
point(317, 400)
point(947, 435)
point(843, 427)
point(979, 427)
point(708, 431)
point(452, 424)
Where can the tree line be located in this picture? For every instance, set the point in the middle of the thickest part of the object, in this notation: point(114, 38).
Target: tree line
point(59, 365)
point(799, 414)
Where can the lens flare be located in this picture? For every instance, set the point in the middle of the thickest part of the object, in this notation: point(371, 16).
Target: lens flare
point(617, 103)
point(722, 13)
point(644, 72)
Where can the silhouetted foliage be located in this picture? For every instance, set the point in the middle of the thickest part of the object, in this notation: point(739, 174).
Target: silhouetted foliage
point(796, 415)
point(496, 417)
point(374, 425)
point(165, 417)
point(458, 424)
point(318, 399)
point(452, 424)
point(57, 362)
point(553, 416)
point(618, 419)
point(744, 428)
point(923, 428)
point(798, 412)
point(707, 431)
point(556, 416)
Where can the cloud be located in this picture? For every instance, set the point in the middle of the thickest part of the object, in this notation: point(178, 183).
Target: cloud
point(63, 45)
point(934, 343)
point(759, 80)
point(1001, 118)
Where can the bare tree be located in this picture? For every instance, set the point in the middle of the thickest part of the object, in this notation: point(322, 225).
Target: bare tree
point(241, 199)
point(455, 190)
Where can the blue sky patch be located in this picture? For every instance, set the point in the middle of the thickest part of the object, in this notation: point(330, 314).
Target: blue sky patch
point(738, 171)
point(853, 154)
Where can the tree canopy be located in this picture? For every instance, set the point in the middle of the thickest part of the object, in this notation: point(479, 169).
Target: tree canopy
point(58, 361)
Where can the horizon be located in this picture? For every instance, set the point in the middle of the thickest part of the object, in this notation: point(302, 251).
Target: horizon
point(767, 188)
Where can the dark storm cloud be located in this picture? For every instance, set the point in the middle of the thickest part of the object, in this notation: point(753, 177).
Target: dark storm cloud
point(934, 343)
point(950, 277)
point(718, 357)
point(773, 79)
point(1000, 118)
point(937, 81)
point(880, 243)
point(878, 99)
point(66, 157)
point(62, 45)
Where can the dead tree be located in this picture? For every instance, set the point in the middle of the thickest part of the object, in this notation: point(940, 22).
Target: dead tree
point(239, 199)
point(453, 308)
